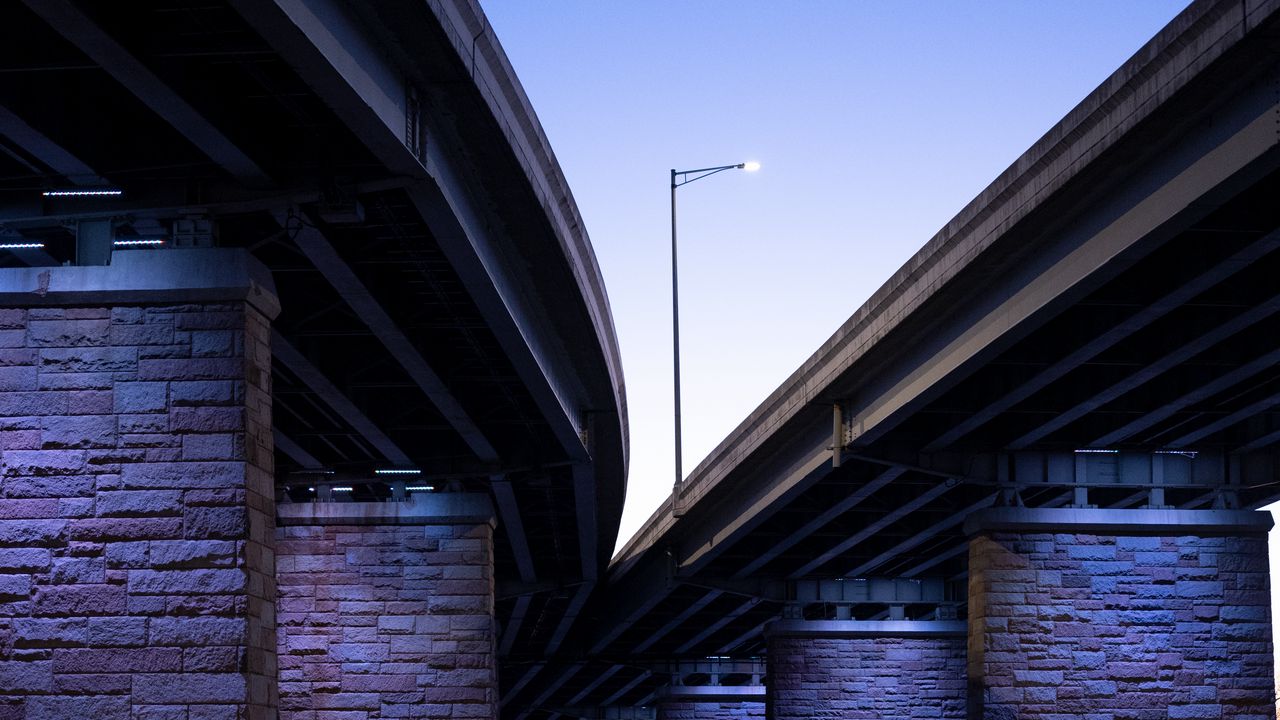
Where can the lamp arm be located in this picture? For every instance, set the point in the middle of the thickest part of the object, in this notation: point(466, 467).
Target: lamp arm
point(700, 173)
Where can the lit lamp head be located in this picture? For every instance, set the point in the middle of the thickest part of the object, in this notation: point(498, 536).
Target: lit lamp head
point(750, 166)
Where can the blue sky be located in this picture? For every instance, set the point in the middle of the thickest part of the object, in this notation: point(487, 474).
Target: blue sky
point(875, 123)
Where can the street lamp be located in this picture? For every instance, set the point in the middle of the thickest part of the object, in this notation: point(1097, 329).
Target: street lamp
point(679, 178)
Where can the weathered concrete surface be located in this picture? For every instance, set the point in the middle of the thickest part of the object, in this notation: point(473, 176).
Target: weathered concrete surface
point(382, 622)
point(1152, 622)
point(136, 508)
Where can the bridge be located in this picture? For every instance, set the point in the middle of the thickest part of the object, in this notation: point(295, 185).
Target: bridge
point(307, 338)
point(983, 495)
point(311, 406)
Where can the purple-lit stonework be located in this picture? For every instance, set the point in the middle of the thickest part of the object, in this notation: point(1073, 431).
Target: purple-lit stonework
point(1152, 620)
point(137, 574)
point(387, 622)
point(866, 669)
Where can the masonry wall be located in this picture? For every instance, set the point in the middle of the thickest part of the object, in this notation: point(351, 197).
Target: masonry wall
point(382, 622)
point(710, 710)
point(136, 513)
point(1081, 625)
point(866, 677)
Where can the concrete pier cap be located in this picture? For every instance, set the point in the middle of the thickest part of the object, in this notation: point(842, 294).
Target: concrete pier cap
point(174, 275)
point(1105, 521)
point(865, 628)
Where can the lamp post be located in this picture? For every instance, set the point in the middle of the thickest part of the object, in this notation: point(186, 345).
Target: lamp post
point(679, 178)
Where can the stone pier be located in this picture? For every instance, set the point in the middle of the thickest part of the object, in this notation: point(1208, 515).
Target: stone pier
point(1119, 614)
point(136, 501)
point(865, 668)
point(386, 609)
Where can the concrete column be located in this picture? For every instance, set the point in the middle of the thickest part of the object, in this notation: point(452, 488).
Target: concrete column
point(692, 702)
point(1119, 614)
point(136, 497)
point(865, 668)
point(386, 609)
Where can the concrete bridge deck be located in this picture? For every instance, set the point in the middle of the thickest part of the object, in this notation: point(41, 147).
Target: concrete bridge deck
point(1094, 330)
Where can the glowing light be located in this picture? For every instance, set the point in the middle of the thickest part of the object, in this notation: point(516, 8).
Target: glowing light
point(343, 488)
point(138, 241)
point(751, 166)
point(99, 192)
point(20, 246)
point(395, 471)
point(420, 488)
point(1088, 451)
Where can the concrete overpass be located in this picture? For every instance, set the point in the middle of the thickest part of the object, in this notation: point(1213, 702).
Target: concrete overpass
point(307, 264)
point(1016, 482)
point(310, 404)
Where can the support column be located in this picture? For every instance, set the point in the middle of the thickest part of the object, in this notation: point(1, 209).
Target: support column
point(1119, 614)
point(865, 668)
point(386, 609)
point(136, 499)
point(727, 702)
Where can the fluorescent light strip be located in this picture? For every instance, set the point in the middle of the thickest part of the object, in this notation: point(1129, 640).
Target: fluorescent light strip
point(420, 488)
point(392, 471)
point(105, 192)
point(149, 241)
point(343, 488)
point(20, 246)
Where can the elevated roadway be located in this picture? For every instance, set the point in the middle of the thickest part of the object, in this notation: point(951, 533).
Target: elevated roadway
point(442, 310)
point(1096, 329)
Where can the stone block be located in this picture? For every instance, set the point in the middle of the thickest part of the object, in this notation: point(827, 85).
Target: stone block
point(197, 631)
point(79, 600)
point(18, 377)
point(26, 676)
point(89, 707)
point(125, 528)
point(79, 431)
point(212, 659)
point(29, 463)
point(88, 360)
point(78, 570)
point(183, 475)
point(117, 631)
point(191, 369)
point(189, 688)
point(203, 392)
point(51, 486)
point(133, 398)
point(206, 419)
point(171, 554)
point(50, 632)
point(68, 333)
point(32, 533)
point(121, 660)
point(190, 582)
point(24, 559)
point(139, 503)
point(215, 522)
